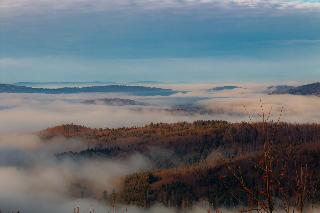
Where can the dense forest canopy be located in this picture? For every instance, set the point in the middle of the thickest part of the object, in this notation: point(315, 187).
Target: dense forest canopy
point(197, 161)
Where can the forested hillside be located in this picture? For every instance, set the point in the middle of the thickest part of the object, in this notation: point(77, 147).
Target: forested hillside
point(205, 160)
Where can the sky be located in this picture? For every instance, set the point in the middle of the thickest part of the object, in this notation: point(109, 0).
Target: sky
point(159, 40)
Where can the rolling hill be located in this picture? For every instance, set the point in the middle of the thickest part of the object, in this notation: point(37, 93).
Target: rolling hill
point(197, 161)
point(308, 89)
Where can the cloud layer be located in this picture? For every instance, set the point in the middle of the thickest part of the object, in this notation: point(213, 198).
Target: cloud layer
point(33, 112)
point(33, 181)
point(70, 40)
point(109, 4)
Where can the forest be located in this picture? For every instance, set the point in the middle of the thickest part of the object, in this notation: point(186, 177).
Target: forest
point(256, 166)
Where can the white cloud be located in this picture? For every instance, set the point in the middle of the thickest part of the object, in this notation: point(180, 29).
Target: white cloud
point(37, 112)
point(108, 4)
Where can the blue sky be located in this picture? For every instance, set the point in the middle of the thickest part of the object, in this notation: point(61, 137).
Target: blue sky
point(163, 40)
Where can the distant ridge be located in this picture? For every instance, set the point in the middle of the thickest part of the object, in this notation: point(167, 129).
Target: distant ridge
point(307, 89)
point(58, 84)
point(221, 88)
point(114, 102)
point(132, 90)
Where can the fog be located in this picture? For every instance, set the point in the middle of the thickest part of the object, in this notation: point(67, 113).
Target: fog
point(33, 180)
point(34, 112)
point(25, 113)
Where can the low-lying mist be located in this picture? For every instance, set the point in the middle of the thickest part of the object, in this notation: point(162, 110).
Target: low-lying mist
point(34, 112)
point(33, 180)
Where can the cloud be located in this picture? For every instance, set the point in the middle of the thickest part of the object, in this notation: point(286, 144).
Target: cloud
point(52, 185)
point(34, 112)
point(297, 109)
point(153, 4)
point(32, 180)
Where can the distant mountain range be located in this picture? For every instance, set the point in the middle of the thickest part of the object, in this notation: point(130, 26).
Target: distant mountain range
point(114, 102)
point(221, 88)
point(57, 84)
point(308, 89)
point(132, 90)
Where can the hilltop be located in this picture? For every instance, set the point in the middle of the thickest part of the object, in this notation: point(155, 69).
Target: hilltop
point(194, 161)
point(308, 89)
